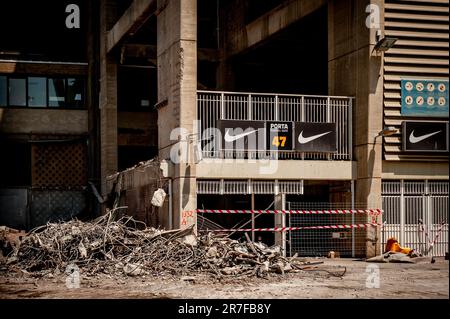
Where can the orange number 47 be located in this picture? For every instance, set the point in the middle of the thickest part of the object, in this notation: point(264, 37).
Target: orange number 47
point(279, 140)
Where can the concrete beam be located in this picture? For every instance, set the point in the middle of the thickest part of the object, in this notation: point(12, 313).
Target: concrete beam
point(132, 50)
point(414, 170)
point(43, 121)
point(132, 19)
point(270, 23)
point(149, 51)
point(311, 170)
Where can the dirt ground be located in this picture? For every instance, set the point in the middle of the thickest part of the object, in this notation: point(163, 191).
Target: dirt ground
point(421, 280)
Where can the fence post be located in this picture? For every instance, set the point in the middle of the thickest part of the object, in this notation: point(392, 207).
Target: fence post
point(222, 106)
point(277, 117)
point(302, 119)
point(249, 106)
point(280, 219)
point(328, 121)
point(350, 128)
point(352, 190)
point(402, 211)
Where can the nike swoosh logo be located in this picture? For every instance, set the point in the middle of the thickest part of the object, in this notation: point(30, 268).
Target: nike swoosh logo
point(232, 138)
point(304, 140)
point(416, 139)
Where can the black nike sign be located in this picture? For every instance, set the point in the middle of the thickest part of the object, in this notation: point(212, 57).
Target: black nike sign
point(425, 136)
point(315, 137)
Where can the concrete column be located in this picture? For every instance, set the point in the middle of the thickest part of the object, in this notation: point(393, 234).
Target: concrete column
point(108, 95)
point(354, 69)
point(177, 98)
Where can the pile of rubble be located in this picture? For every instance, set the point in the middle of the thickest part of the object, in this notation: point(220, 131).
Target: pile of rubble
point(128, 247)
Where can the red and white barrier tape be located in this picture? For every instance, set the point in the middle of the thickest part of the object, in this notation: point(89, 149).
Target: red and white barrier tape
point(298, 228)
point(293, 212)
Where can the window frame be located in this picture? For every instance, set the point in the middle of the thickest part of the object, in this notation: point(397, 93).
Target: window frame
point(47, 78)
point(6, 90)
point(46, 92)
point(25, 78)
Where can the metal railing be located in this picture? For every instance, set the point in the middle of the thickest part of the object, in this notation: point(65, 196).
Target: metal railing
point(224, 187)
point(215, 105)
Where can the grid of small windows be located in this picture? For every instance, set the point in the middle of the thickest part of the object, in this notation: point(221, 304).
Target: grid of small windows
point(40, 91)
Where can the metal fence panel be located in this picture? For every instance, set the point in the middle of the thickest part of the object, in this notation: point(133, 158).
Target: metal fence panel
point(13, 208)
point(414, 210)
point(55, 205)
point(439, 214)
point(319, 242)
point(417, 200)
point(391, 218)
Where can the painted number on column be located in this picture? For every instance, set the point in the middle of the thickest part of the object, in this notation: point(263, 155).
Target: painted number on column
point(186, 217)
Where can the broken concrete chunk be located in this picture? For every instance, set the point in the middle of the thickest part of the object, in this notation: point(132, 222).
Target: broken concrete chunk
point(212, 252)
point(229, 270)
point(75, 231)
point(188, 278)
point(158, 197)
point(82, 250)
point(190, 240)
point(377, 259)
point(133, 269)
point(241, 249)
point(287, 267)
point(400, 258)
point(66, 238)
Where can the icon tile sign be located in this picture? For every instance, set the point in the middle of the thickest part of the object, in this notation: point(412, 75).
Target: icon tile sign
point(422, 97)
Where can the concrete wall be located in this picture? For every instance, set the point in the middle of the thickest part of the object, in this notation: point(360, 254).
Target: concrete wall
point(46, 121)
point(145, 122)
point(42, 69)
point(415, 170)
point(310, 170)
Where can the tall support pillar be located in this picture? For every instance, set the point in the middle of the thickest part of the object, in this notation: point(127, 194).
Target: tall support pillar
point(355, 69)
point(177, 101)
point(108, 96)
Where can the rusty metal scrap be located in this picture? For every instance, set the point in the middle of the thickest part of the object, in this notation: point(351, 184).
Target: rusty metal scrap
point(128, 247)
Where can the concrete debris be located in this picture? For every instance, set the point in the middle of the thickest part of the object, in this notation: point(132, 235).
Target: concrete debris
point(133, 269)
point(190, 240)
point(9, 239)
point(212, 252)
point(394, 257)
point(158, 197)
point(127, 247)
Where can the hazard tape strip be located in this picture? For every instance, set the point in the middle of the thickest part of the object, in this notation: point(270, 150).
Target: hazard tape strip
point(293, 212)
point(281, 229)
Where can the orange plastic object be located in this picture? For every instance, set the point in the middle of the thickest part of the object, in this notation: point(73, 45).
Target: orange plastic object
point(393, 246)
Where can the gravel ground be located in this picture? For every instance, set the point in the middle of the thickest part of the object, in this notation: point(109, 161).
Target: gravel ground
point(421, 280)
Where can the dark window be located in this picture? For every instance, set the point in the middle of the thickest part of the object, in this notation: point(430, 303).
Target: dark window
point(136, 89)
point(42, 91)
point(17, 92)
point(37, 91)
point(3, 92)
point(16, 163)
point(75, 92)
point(56, 92)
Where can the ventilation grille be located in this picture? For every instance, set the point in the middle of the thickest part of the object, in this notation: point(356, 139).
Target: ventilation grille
point(421, 51)
point(59, 165)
